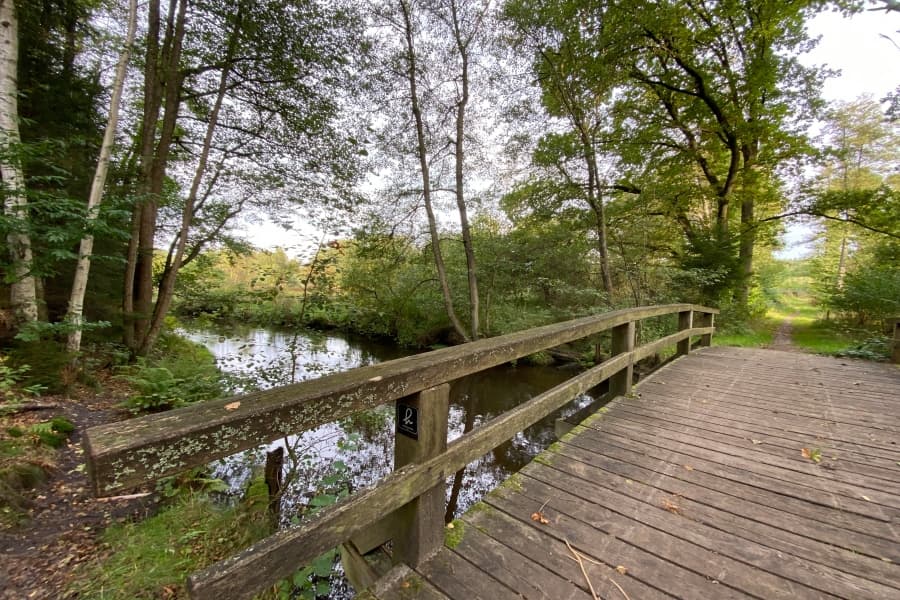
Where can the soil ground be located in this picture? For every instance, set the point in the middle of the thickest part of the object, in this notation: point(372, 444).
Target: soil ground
point(64, 521)
point(783, 339)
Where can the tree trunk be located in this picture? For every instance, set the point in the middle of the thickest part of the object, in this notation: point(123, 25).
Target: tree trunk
point(85, 250)
point(462, 47)
point(167, 285)
point(23, 291)
point(595, 201)
point(422, 152)
point(162, 95)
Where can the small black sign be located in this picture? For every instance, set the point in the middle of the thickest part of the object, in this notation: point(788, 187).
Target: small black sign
point(408, 420)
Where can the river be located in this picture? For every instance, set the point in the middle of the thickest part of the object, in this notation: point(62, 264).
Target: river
point(338, 458)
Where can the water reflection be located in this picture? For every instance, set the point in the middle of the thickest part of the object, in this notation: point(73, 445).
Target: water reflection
point(358, 451)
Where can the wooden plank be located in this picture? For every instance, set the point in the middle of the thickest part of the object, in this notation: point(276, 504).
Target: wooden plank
point(401, 583)
point(765, 437)
point(523, 576)
point(811, 474)
point(739, 474)
point(805, 538)
point(528, 539)
point(774, 420)
point(696, 478)
point(645, 565)
point(459, 579)
point(585, 499)
point(831, 460)
point(653, 529)
point(777, 399)
point(127, 453)
point(281, 554)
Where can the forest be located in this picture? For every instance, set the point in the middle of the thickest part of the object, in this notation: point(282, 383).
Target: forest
point(452, 169)
point(424, 173)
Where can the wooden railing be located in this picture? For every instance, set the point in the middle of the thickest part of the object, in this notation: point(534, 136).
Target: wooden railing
point(407, 505)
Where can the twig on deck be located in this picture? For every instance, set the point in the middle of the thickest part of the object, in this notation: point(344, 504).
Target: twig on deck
point(583, 571)
point(579, 557)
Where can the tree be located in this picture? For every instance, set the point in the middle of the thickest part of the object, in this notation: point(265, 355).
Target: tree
point(23, 294)
point(574, 87)
point(249, 115)
point(86, 246)
point(709, 100)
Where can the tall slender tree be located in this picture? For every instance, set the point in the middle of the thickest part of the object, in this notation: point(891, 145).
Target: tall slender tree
point(23, 294)
point(86, 246)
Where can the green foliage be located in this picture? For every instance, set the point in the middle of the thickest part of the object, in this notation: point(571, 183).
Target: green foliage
point(158, 553)
point(870, 293)
point(47, 364)
point(52, 433)
point(12, 392)
point(180, 372)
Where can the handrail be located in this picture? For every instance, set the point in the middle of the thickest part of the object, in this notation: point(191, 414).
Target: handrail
point(123, 454)
point(129, 453)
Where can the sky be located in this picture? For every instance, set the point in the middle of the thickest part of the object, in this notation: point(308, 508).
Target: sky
point(869, 64)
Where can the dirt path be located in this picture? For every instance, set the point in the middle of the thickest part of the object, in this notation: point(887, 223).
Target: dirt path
point(783, 338)
point(65, 522)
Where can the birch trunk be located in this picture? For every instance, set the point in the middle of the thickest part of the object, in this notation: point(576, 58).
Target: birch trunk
point(462, 46)
point(23, 291)
point(422, 152)
point(86, 247)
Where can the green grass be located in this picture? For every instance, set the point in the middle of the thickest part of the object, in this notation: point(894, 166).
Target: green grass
point(810, 331)
point(149, 557)
point(753, 336)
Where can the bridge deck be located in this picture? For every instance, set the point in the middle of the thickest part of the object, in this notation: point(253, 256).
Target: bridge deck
point(703, 484)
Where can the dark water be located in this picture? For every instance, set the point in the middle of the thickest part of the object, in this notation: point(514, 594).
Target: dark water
point(340, 457)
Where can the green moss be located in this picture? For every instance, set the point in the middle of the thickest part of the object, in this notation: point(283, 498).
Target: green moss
point(513, 482)
point(454, 535)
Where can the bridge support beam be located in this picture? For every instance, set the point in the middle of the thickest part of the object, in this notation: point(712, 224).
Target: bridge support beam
point(622, 341)
point(685, 321)
point(420, 524)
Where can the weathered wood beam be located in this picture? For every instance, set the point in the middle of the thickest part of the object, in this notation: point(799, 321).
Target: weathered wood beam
point(279, 555)
point(122, 455)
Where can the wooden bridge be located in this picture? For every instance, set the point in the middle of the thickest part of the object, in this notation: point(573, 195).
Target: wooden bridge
point(728, 473)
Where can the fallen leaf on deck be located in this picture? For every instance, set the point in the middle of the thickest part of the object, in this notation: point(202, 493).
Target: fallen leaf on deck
point(756, 442)
point(814, 455)
point(688, 468)
point(233, 406)
point(866, 498)
point(539, 517)
point(621, 569)
point(671, 507)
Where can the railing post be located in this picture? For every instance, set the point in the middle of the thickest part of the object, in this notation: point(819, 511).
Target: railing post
point(895, 350)
point(706, 320)
point(685, 321)
point(622, 341)
point(421, 434)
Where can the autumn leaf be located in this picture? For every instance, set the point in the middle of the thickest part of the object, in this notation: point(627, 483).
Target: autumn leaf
point(688, 468)
point(622, 570)
point(233, 406)
point(539, 517)
point(756, 442)
point(814, 455)
point(671, 507)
